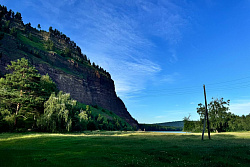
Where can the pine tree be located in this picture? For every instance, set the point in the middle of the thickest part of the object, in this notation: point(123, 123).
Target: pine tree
point(22, 93)
point(39, 27)
point(18, 16)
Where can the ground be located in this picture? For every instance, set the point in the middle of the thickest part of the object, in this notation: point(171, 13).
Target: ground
point(124, 149)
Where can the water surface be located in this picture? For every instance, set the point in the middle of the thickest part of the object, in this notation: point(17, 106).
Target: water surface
point(168, 131)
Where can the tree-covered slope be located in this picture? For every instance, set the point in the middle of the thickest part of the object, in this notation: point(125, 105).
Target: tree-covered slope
point(55, 54)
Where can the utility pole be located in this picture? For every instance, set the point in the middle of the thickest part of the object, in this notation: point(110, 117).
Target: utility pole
point(204, 125)
point(206, 116)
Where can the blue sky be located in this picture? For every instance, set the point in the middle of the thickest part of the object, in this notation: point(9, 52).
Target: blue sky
point(158, 52)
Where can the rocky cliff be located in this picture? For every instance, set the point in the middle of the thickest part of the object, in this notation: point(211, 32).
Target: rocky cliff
point(71, 72)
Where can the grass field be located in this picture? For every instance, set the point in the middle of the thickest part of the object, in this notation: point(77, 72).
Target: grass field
point(124, 149)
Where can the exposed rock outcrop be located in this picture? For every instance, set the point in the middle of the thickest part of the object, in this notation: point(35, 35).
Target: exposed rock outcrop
point(84, 82)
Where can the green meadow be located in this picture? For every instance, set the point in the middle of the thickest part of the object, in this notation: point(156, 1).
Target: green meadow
point(124, 149)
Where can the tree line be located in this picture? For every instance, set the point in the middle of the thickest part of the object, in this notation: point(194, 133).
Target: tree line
point(220, 119)
point(30, 101)
point(68, 52)
point(154, 127)
point(10, 14)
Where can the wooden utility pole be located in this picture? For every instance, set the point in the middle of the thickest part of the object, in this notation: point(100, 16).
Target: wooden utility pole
point(206, 116)
point(204, 125)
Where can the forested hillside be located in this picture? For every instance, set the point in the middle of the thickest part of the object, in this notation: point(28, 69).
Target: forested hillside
point(59, 70)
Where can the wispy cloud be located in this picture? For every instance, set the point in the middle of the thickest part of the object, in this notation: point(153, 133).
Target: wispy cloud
point(169, 78)
point(118, 34)
point(164, 17)
point(173, 57)
point(241, 107)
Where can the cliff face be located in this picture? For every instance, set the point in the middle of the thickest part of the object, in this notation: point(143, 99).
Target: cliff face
point(85, 83)
point(94, 89)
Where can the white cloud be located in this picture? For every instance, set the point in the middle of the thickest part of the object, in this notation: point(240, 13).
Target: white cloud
point(242, 107)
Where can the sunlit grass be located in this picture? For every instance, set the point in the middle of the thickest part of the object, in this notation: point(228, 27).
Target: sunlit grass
point(115, 148)
point(37, 44)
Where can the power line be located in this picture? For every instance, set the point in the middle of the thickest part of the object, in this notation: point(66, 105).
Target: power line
point(229, 81)
point(194, 87)
point(193, 90)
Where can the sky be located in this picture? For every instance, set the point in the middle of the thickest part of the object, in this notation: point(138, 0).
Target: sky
point(158, 52)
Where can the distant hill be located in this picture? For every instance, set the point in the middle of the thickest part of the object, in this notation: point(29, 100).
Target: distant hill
point(179, 124)
point(166, 126)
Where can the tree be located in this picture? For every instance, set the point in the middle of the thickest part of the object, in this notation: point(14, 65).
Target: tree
point(19, 92)
point(13, 32)
point(217, 113)
point(47, 86)
point(30, 36)
point(88, 111)
point(66, 52)
point(1, 37)
point(188, 124)
point(58, 113)
point(18, 16)
point(7, 116)
point(82, 120)
point(1, 16)
point(39, 27)
point(49, 45)
point(50, 29)
point(100, 120)
point(91, 125)
point(28, 24)
point(12, 15)
point(9, 14)
point(3, 9)
point(6, 27)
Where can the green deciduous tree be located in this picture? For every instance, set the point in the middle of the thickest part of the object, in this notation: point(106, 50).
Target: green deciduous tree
point(188, 124)
point(217, 114)
point(91, 125)
point(82, 120)
point(58, 113)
